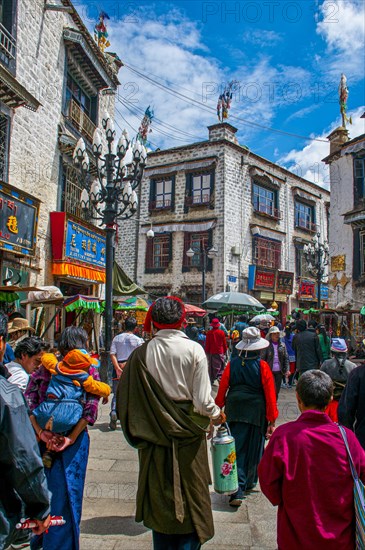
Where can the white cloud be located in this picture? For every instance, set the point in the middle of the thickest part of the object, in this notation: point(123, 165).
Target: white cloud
point(342, 25)
point(262, 37)
point(307, 163)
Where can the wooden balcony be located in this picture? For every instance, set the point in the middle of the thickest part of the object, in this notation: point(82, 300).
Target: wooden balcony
point(80, 120)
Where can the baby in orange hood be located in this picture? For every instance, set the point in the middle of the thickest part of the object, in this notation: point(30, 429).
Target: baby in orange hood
point(64, 396)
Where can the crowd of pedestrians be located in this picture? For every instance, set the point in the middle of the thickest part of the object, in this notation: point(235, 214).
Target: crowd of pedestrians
point(162, 396)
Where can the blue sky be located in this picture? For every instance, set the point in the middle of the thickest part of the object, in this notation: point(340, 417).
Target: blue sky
point(287, 57)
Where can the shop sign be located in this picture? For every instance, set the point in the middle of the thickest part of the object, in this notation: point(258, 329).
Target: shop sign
point(265, 279)
point(307, 290)
point(232, 279)
point(338, 263)
point(266, 296)
point(284, 282)
point(281, 297)
point(140, 317)
point(324, 292)
point(84, 244)
point(18, 220)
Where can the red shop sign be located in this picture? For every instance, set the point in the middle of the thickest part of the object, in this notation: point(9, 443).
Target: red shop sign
point(265, 279)
point(307, 290)
point(284, 282)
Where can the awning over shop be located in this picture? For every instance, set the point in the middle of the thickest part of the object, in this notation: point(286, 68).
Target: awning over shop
point(80, 302)
point(13, 94)
point(78, 271)
point(123, 285)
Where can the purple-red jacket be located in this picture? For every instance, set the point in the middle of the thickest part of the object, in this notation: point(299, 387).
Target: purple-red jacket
point(305, 472)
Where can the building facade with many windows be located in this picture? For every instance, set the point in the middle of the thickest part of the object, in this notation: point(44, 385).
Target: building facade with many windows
point(55, 84)
point(217, 193)
point(347, 219)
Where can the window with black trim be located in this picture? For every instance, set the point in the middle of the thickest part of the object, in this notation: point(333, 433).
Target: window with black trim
point(199, 189)
point(8, 9)
point(304, 216)
point(158, 253)
point(80, 108)
point(266, 252)
point(162, 192)
point(198, 242)
point(265, 200)
point(4, 146)
point(359, 178)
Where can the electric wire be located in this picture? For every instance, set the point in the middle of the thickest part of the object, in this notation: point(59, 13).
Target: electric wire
point(202, 106)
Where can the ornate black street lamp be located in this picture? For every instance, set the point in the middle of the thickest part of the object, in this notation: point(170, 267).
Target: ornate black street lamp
point(205, 252)
point(316, 255)
point(111, 196)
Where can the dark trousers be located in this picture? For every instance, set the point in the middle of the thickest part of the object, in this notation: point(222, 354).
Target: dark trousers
point(278, 377)
point(249, 449)
point(175, 542)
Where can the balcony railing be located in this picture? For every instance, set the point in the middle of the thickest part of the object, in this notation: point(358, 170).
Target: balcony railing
point(72, 195)
point(80, 120)
point(198, 200)
point(306, 226)
point(7, 46)
point(160, 204)
point(268, 211)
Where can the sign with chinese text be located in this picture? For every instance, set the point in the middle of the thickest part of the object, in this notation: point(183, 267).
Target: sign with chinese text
point(265, 279)
point(284, 282)
point(84, 244)
point(18, 220)
point(338, 263)
point(324, 292)
point(307, 290)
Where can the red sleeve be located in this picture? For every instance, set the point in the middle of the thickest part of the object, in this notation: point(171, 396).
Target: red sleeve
point(268, 384)
point(223, 386)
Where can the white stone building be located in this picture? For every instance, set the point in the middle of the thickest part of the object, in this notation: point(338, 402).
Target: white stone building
point(347, 220)
point(55, 83)
point(257, 214)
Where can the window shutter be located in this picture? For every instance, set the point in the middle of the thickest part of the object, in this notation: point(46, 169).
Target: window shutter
point(212, 185)
point(173, 194)
point(149, 254)
point(188, 192)
point(152, 194)
point(169, 244)
point(356, 270)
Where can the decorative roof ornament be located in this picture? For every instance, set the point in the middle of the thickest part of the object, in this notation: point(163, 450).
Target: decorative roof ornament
point(101, 33)
point(224, 101)
point(144, 128)
point(343, 93)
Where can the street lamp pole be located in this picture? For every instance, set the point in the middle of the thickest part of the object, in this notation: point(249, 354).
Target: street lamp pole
point(205, 253)
point(111, 196)
point(316, 254)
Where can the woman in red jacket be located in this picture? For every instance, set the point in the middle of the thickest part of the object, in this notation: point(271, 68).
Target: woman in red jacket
point(247, 391)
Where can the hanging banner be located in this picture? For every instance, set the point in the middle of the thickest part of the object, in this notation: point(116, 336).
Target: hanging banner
point(307, 290)
point(284, 282)
point(18, 220)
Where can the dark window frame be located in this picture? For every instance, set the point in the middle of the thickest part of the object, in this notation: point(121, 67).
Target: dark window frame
point(5, 128)
point(262, 209)
point(87, 103)
point(165, 241)
point(308, 225)
point(359, 180)
point(266, 252)
point(205, 239)
point(206, 199)
point(162, 204)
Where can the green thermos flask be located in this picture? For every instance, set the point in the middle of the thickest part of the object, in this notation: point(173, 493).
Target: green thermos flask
point(224, 462)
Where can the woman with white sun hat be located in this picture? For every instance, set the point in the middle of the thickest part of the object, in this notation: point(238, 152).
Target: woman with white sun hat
point(247, 391)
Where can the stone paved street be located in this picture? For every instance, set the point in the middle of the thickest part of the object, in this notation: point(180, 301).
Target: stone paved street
point(109, 503)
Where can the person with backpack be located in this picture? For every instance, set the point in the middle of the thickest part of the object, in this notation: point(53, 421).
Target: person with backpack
point(338, 368)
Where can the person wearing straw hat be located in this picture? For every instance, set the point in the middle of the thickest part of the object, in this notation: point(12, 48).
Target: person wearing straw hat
point(247, 393)
point(338, 368)
point(19, 329)
point(190, 322)
point(276, 356)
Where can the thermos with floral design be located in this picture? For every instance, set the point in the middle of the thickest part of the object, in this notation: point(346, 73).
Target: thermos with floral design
point(224, 462)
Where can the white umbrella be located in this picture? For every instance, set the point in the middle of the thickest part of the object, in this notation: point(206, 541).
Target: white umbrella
point(263, 317)
point(233, 300)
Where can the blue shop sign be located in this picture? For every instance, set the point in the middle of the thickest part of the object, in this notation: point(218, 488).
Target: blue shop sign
point(84, 244)
point(324, 292)
point(232, 279)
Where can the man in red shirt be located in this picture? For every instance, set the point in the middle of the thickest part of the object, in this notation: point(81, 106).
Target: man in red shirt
point(305, 471)
point(215, 348)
